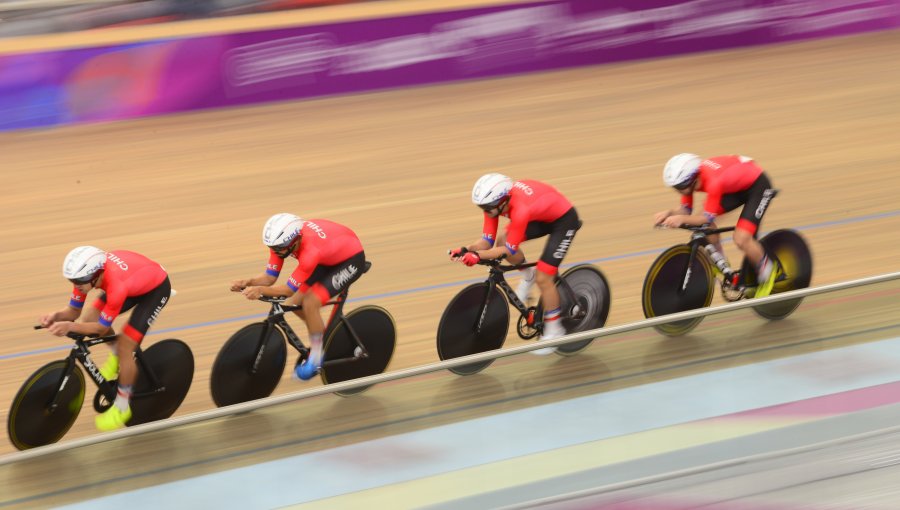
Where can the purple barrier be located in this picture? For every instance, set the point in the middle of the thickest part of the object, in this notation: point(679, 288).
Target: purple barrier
point(149, 78)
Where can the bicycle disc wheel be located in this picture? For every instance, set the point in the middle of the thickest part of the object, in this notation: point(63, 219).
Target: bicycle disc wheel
point(172, 362)
point(457, 336)
point(590, 308)
point(662, 292)
point(792, 252)
point(231, 380)
point(30, 423)
point(377, 332)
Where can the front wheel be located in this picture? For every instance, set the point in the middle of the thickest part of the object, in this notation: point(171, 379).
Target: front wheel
point(665, 291)
point(31, 423)
point(789, 249)
point(376, 331)
point(584, 303)
point(165, 372)
point(476, 320)
point(235, 378)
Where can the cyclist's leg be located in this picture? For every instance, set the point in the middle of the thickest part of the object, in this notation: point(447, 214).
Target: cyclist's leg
point(560, 239)
point(110, 368)
point(147, 308)
point(330, 282)
point(758, 199)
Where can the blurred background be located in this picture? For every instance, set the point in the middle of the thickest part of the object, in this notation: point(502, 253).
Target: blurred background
point(176, 128)
point(27, 17)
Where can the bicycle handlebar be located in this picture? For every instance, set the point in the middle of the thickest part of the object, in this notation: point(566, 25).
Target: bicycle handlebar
point(703, 229)
point(77, 336)
point(496, 262)
point(280, 300)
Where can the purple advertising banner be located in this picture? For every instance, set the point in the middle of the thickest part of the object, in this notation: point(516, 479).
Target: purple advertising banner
point(150, 78)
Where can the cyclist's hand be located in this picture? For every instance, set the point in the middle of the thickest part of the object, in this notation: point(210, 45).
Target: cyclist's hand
point(47, 320)
point(673, 221)
point(456, 253)
point(60, 328)
point(659, 217)
point(238, 285)
point(252, 293)
point(470, 258)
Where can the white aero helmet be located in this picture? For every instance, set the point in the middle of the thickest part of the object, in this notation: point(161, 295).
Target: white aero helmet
point(82, 263)
point(281, 230)
point(680, 170)
point(491, 189)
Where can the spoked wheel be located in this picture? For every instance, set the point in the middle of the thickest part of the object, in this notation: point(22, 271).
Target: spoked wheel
point(792, 252)
point(233, 379)
point(376, 330)
point(31, 423)
point(172, 363)
point(583, 309)
point(458, 333)
point(663, 292)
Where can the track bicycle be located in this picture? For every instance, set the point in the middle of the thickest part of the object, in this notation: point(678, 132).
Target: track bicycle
point(49, 401)
point(251, 363)
point(684, 277)
point(477, 318)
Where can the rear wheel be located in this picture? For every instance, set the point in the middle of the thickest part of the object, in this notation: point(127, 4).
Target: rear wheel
point(377, 332)
point(31, 423)
point(459, 333)
point(663, 293)
point(583, 308)
point(792, 253)
point(233, 379)
point(172, 363)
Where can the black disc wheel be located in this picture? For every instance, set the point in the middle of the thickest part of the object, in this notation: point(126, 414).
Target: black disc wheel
point(248, 367)
point(584, 303)
point(469, 327)
point(789, 249)
point(342, 358)
point(165, 373)
point(665, 291)
point(31, 421)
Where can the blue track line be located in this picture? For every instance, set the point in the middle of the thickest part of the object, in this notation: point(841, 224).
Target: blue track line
point(415, 290)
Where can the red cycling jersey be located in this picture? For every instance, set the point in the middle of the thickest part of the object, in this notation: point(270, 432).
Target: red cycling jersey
point(125, 274)
point(720, 176)
point(528, 201)
point(324, 243)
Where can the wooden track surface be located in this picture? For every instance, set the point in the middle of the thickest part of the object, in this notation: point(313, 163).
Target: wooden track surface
point(192, 191)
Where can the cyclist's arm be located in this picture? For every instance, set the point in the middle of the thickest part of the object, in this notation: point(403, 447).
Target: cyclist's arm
point(494, 253)
point(276, 290)
point(481, 244)
point(69, 313)
point(263, 279)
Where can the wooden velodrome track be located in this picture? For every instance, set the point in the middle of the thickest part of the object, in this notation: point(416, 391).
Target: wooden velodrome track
point(192, 191)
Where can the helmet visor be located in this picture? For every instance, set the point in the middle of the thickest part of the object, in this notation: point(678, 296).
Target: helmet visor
point(284, 249)
point(681, 186)
point(496, 204)
point(83, 280)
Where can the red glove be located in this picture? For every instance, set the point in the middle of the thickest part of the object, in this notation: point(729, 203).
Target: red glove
point(456, 253)
point(471, 258)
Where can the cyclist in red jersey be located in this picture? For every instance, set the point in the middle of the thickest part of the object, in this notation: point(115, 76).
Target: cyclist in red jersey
point(330, 257)
point(534, 209)
point(129, 281)
point(729, 182)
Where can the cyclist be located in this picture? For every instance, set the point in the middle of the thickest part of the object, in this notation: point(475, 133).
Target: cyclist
point(534, 209)
point(330, 257)
point(729, 182)
point(128, 281)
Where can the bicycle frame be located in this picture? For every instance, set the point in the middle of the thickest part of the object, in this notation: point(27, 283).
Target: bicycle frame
point(699, 239)
point(81, 353)
point(276, 318)
point(496, 278)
